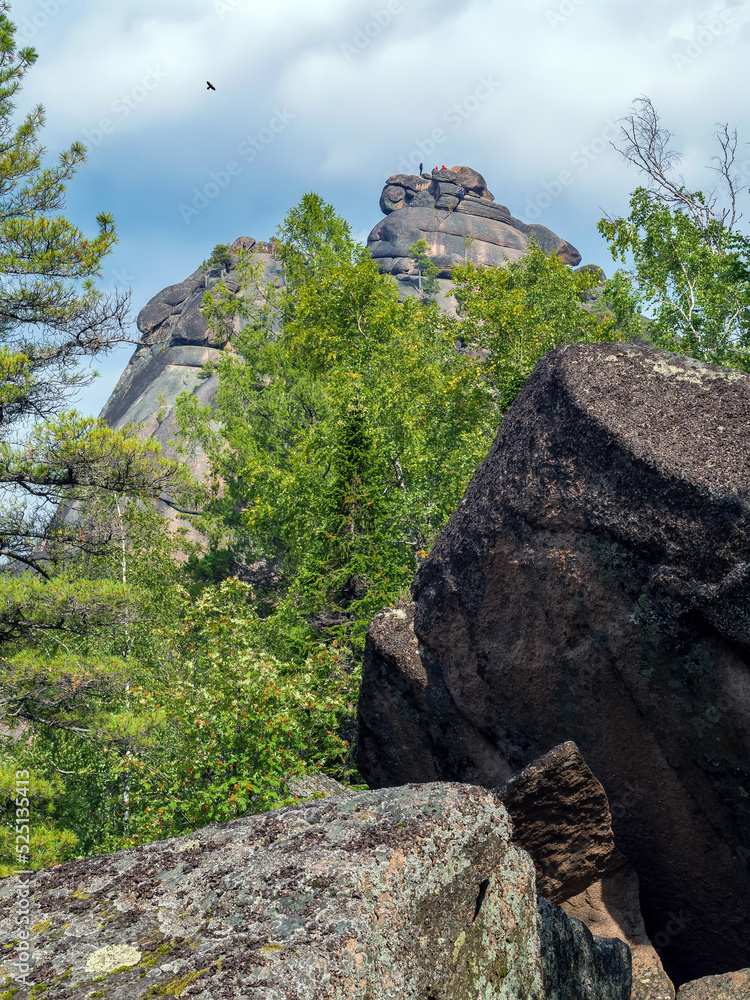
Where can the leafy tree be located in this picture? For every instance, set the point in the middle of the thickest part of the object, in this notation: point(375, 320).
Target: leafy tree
point(210, 727)
point(52, 318)
point(427, 271)
point(348, 427)
point(312, 234)
point(689, 262)
point(515, 314)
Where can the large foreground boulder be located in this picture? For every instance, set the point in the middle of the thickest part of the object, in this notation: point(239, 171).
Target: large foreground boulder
point(413, 893)
point(594, 585)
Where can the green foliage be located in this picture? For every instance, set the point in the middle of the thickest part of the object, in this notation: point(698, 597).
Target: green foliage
point(689, 262)
point(158, 696)
point(311, 235)
point(220, 257)
point(28, 804)
point(204, 726)
point(56, 468)
point(348, 428)
point(427, 271)
point(517, 313)
point(52, 317)
point(691, 273)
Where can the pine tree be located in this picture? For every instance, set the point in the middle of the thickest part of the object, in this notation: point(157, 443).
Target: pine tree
point(56, 466)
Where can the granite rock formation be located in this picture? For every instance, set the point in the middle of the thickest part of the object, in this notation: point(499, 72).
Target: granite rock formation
point(611, 908)
point(414, 892)
point(473, 228)
point(733, 986)
point(593, 586)
point(175, 345)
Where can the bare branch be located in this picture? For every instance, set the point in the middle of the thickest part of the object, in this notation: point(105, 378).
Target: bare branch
point(647, 146)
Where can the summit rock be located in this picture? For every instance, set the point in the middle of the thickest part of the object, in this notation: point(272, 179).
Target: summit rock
point(456, 229)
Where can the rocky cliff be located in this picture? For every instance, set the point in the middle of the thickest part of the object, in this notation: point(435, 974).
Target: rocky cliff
point(456, 215)
point(593, 585)
point(176, 342)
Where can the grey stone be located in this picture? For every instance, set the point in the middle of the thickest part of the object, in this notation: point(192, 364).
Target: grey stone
point(410, 892)
point(152, 316)
point(407, 201)
point(577, 965)
point(192, 327)
point(173, 295)
point(732, 986)
point(311, 786)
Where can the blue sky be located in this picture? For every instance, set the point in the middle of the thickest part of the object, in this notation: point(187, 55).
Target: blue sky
point(336, 95)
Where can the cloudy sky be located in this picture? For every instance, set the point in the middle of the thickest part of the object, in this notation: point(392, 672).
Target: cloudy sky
point(335, 95)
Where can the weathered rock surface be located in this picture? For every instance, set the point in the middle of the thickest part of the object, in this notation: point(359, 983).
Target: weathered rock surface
point(414, 892)
point(579, 965)
point(456, 230)
point(561, 818)
point(176, 344)
point(733, 986)
point(593, 585)
point(611, 908)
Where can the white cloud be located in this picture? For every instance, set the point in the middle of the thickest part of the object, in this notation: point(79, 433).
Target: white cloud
point(563, 70)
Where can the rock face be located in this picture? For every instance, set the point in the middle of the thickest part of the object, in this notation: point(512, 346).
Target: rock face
point(456, 230)
point(593, 586)
point(611, 908)
point(561, 818)
point(414, 893)
point(734, 986)
point(176, 344)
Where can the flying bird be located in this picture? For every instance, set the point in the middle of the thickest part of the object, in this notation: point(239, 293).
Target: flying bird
point(209, 85)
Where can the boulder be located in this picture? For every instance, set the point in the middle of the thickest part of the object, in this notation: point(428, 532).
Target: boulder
point(414, 892)
point(594, 585)
point(733, 986)
point(578, 965)
point(561, 818)
point(611, 908)
point(474, 229)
